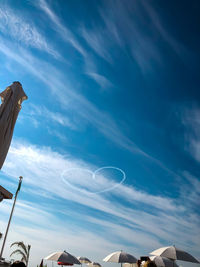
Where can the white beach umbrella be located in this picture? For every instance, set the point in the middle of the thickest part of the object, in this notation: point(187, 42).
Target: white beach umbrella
point(94, 264)
point(174, 253)
point(163, 262)
point(84, 260)
point(120, 257)
point(63, 256)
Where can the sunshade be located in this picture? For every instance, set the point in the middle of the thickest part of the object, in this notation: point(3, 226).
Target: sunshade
point(94, 264)
point(11, 98)
point(63, 256)
point(163, 262)
point(174, 253)
point(120, 257)
point(84, 260)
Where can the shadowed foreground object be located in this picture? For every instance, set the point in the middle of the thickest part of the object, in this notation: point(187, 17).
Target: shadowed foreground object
point(174, 253)
point(11, 98)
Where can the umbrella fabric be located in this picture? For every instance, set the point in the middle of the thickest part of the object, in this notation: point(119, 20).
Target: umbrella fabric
point(84, 260)
point(11, 98)
point(63, 256)
point(94, 264)
point(120, 257)
point(174, 253)
point(163, 262)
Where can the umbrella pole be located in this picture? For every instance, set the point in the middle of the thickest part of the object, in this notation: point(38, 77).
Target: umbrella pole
point(11, 214)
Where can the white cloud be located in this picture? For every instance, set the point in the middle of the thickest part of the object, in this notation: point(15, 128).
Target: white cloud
point(100, 79)
point(69, 98)
point(21, 30)
point(176, 46)
point(96, 41)
point(191, 120)
point(40, 111)
point(141, 211)
point(63, 31)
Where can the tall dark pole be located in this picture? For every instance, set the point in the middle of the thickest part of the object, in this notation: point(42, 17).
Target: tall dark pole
point(4, 241)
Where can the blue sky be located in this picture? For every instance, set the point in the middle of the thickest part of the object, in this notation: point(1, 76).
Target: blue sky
point(108, 141)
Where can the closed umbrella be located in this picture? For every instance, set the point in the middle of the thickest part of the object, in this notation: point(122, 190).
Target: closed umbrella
point(163, 262)
point(63, 256)
point(174, 253)
point(120, 257)
point(11, 98)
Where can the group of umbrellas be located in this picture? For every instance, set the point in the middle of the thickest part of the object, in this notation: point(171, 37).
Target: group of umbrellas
point(163, 257)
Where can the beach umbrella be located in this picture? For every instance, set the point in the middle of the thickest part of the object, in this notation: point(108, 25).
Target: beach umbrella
point(163, 262)
point(11, 98)
point(94, 264)
point(63, 256)
point(120, 257)
point(174, 253)
point(84, 260)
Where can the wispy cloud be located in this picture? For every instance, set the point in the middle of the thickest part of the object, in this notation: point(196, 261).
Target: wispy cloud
point(31, 162)
point(159, 27)
point(191, 190)
point(124, 29)
point(96, 41)
point(93, 41)
point(190, 118)
point(57, 134)
point(58, 236)
point(35, 112)
point(63, 31)
point(69, 98)
point(15, 26)
point(63, 93)
point(101, 80)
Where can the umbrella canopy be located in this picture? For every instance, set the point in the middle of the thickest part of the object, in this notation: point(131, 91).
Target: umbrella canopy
point(174, 253)
point(63, 256)
point(94, 264)
point(163, 262)
point(11, 98)
point(84, 260)
point(120, 257)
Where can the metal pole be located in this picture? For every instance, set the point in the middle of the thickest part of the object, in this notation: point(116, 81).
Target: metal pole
point(4, 241)
point(28, 250)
